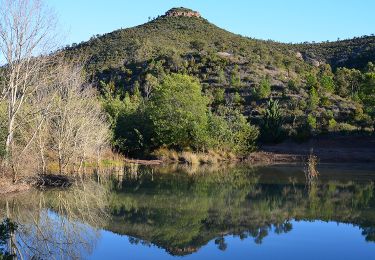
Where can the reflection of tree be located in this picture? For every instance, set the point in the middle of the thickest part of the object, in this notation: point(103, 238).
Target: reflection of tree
point(182, 212)
point(62, 225)
point(7, 229)
point(220, 241)
point(369, 233)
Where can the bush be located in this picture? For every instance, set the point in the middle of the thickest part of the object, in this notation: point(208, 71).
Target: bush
point(230, 131)
point(263, 90)
point(313, 99)
point(311, 121)
point(271, 127)
point(303, 133)
point(345, 127)
point(332, 124)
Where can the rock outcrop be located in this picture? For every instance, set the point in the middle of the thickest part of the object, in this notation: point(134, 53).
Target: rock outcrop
point(175, 12)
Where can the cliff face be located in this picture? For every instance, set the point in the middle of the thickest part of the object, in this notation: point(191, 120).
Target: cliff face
point(182, 12)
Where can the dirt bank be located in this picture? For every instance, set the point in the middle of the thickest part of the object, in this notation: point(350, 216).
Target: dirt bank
point(8, 187)
point(345, 149)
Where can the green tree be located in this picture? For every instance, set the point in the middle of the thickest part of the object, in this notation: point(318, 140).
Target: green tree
point(178, 112)
point(327, 83)
point(367, 93)
point(271, 128)
point(347, 81)
point(313, 99)
point(263, 90)
point(218, 95)
point(312, 82)
point(221, 78)
point(311, 121)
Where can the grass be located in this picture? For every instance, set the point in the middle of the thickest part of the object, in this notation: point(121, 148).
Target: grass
point(194, 158)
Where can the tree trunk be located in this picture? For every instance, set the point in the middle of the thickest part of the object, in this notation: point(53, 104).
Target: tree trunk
point(9, 141)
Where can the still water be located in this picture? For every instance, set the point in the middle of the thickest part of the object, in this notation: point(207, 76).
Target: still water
point(222, 212)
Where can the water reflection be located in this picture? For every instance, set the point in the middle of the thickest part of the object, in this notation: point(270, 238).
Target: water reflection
point(182, 209)
point(54, 224)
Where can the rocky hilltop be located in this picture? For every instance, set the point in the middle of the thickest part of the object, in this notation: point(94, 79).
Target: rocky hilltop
point(175, 12)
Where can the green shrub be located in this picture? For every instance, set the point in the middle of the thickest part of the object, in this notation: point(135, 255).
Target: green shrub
point(230, 131)
point(303, 133)
point(271, 127)
point(313, 99)
point(332, 124)
point(263, 90)
point(345, 127)
point(311, 121)
point(178, 112)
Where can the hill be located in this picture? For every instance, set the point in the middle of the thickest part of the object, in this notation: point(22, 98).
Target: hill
point(351, 53)
point(235, 71)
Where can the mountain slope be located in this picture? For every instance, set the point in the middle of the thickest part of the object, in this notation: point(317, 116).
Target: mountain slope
point(351, 53)
point(234, 70)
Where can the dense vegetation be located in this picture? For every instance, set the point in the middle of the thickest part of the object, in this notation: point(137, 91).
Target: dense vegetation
point(286, 90)
point(182, 83)
point(177, 116)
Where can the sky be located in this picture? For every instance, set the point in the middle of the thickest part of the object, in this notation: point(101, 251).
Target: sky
point(279, 20)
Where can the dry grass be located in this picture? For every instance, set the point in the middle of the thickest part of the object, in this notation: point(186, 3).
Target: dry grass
point(166, 155)
point(189, 158)
point(192, 158)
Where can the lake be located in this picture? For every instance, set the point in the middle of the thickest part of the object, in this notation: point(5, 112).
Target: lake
point(217, 212)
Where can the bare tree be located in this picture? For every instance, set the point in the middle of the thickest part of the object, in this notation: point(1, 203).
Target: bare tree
point(26, 36)
point(77, 127)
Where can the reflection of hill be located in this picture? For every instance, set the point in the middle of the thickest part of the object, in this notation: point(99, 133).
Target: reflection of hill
point(181, 212)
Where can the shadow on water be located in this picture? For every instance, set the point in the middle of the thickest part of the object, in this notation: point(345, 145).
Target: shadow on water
point(181, 209)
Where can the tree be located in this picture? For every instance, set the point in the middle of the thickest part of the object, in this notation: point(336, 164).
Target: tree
point(235, 78)
point(327, 83)
point(271, 127)
point(313, 99)
point(26, 32)
point(221, 78)
point(347, 81)
point(312, 82)
point(178, 112)
point(367, 93)
point(263, 90)
point(230, 131)
point(77, 128)
point(287, 63)
point(150, 83)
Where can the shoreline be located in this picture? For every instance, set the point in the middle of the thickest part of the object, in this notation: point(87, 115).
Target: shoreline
point(7, 187)
point(328, 149)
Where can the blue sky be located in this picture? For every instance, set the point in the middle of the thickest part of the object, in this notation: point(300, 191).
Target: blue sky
point(280, 20)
